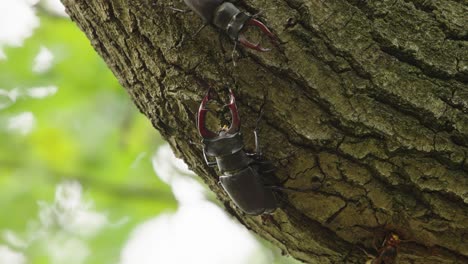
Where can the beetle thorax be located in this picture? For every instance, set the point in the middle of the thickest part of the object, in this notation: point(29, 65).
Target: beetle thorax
point(223, 144)
point(229, 18)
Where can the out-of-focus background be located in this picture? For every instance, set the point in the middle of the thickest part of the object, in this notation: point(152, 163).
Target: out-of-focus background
point(84, 178)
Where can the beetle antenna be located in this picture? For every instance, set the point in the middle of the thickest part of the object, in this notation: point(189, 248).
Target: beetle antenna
point(232, 54)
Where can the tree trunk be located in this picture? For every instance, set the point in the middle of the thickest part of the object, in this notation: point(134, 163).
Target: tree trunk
point(368, 97)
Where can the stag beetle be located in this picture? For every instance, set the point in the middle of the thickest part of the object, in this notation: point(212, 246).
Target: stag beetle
point(226, 16)
point(388, 253)
point(242, 173)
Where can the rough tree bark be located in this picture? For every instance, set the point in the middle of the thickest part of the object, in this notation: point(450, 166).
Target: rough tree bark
point(369, 97)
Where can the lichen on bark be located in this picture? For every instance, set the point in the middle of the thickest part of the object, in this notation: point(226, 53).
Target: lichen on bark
point(368, 97)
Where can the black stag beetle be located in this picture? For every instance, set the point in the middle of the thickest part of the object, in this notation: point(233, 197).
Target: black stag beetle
point(242, 174)
point(226, 16)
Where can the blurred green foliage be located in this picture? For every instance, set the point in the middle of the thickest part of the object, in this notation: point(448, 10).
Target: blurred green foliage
point(88, 131)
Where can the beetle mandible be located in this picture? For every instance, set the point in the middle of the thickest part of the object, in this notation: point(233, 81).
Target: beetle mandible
point(242, 173)
point(227, 17)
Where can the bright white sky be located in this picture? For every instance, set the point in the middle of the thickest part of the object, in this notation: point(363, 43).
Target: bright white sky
point(17, 21)
point(199, 232)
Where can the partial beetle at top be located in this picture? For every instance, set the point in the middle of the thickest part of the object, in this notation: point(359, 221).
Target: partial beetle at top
point(227, 17)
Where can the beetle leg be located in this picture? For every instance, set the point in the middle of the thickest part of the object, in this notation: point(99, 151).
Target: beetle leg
point(256, 23)
point(180, 10)
point(235, 123)
point(264, 166)
point(370, 257)
point(258, 150)
point(199, 30)
point(204, 132)
point(257, 144)
point(207, 161)
point(280, 188)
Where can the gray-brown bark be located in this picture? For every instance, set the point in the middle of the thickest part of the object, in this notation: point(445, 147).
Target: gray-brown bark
point(369, 96)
